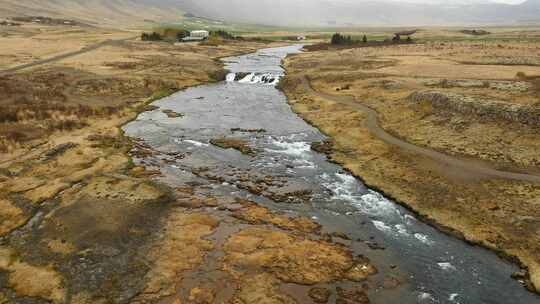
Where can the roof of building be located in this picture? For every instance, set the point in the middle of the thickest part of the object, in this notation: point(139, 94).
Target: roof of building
point(406, 33)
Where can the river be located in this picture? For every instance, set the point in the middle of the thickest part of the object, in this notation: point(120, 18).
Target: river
point(434, 267)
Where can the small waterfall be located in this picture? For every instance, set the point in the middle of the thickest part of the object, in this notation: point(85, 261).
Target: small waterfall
point(253, 78)
point(247, 79)
point(231, 77)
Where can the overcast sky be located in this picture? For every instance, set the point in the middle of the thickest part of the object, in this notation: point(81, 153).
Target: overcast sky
point(464, 1)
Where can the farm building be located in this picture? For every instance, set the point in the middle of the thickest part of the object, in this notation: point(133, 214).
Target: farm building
point(202, 34)
point(196, 36)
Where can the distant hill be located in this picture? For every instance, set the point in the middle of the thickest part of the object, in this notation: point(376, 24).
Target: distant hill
point(95, 12)
point(283, 12)
point(532, 3)
point(367, 12)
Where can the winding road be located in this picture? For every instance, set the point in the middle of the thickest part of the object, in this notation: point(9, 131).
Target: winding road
point(59, 57)
point(372, 123)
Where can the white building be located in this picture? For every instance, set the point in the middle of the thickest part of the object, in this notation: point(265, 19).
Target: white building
point(195, 36)
point(202, 34)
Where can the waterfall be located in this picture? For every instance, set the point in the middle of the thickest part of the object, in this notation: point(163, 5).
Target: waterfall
point(231, 77)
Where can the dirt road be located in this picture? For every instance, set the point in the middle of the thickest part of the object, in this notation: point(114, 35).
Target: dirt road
point(372, 123)
point(85, 49)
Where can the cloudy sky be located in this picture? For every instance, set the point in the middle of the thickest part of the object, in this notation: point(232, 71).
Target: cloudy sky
point(461, 1)
point(464, 1)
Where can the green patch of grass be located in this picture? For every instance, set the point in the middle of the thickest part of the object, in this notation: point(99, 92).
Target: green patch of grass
point(480, 39)
point(157, 95)
point(161, 93)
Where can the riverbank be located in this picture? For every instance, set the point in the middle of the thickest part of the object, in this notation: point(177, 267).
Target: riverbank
point(82, 223)
point(482, 208)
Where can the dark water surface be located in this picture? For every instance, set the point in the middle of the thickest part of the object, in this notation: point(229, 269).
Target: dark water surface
point(433, 267)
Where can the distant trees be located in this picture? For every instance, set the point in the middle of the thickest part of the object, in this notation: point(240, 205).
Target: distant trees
point(151, 37)
point(181, 35)
point(168, 34)
point(337, 39)
point(361, 40)
point(223, 34)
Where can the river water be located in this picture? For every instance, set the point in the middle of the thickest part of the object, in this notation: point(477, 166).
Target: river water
point(433, 267)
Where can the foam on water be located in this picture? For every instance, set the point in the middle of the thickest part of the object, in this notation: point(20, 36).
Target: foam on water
point(423, 238)
point(453, 297)
point(194, 143)
point(345, 187)
point(231, 77)
point(382, 226)
point(425, 297)
point(446, 266)
point(296, 152)
point(388, 218)
point(247, 79)
point(296, 149)
point(402, 229)
point(265, 78)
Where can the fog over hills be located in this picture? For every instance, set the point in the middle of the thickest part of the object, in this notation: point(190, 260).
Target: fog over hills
point(367, 12)
point(289, 12)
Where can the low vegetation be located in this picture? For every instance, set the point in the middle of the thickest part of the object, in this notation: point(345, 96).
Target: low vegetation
point(47, 20)
point(233, 143)
point(151, 37)
point(337, 38)
point(28, 121)
point(479, 101)
point(475, 32)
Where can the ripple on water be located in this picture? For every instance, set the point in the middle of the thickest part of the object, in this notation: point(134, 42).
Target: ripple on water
point(425, 297)
point(446, 266)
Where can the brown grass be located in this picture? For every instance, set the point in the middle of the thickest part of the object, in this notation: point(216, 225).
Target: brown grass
point(24, 121)
point(534, 80)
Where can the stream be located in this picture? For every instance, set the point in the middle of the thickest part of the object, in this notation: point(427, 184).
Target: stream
point(432, 266)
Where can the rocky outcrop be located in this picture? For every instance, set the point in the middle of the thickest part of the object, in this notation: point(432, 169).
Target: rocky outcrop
point(488, 108)
point(500, 85)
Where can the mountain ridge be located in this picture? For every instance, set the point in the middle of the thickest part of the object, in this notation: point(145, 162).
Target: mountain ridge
point(284, 12)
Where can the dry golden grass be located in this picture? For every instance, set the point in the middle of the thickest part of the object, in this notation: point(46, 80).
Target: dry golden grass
point(492, 212)
point(65, 95)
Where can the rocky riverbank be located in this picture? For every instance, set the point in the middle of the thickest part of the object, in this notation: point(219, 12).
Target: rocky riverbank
point(81, 223)
point(497, 213)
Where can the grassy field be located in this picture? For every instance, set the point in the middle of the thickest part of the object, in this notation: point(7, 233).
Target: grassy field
point(493, 73)
point(424, 34)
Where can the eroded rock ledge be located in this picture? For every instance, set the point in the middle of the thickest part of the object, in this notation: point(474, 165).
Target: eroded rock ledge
point(488, 108)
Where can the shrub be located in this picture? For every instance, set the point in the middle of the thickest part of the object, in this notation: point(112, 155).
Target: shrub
point(213, 40)
point(338, 39)
point(223, 34)
point(218, 75)
point(8, 116)
point(521, 75)
point(445, 83)
point(182, 34)
point(151, 36)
